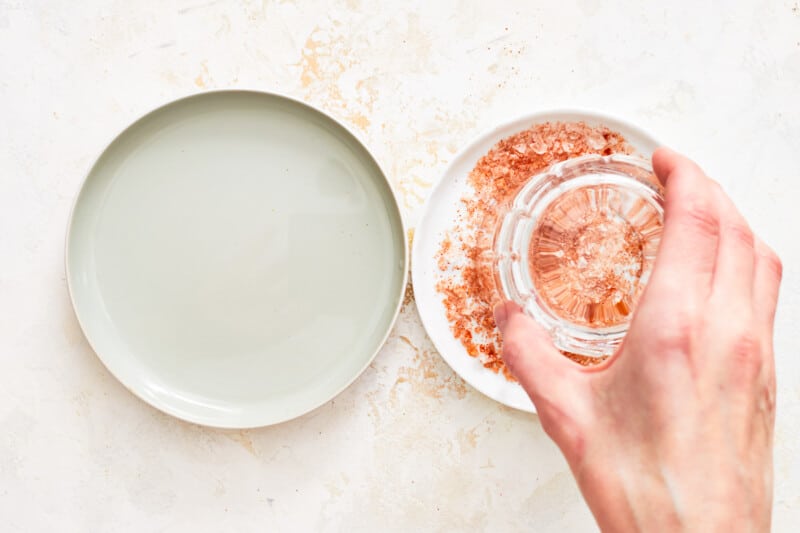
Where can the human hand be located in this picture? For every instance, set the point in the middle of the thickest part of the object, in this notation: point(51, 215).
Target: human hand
point(675, 431)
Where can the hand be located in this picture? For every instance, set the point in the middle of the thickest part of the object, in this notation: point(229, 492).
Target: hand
point(674, 432)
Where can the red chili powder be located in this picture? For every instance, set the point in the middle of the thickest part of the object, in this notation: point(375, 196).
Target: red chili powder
point(465, 257)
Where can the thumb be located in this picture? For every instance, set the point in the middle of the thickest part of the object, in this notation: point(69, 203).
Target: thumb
point(529, 353)
point(555, 384)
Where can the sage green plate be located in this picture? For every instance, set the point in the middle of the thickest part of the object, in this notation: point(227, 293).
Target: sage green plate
point(236, 258)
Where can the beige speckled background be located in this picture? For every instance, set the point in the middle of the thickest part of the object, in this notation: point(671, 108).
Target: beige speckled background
point(408, 447)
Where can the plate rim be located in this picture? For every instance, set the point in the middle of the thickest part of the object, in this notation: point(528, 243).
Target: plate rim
point(609, 119)
point(384, 176)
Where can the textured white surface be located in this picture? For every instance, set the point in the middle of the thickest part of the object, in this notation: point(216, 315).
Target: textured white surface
point(408, 446)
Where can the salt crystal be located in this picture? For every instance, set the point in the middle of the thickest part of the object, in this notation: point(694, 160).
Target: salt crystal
point(539, 146)
point(596, 141)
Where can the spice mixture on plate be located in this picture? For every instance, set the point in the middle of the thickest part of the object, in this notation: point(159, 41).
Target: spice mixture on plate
point(465, 257)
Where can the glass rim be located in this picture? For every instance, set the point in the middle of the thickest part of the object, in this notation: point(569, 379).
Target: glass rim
point(512, 238)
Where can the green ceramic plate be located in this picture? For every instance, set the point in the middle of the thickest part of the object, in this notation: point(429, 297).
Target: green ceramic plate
point(236, 258)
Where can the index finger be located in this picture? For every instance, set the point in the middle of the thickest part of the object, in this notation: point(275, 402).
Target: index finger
point(688, 250)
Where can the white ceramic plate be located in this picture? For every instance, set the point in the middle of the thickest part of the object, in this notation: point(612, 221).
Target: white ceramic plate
point(440, 211)
point(236, 258)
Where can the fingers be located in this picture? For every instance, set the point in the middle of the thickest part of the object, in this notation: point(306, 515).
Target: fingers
point(766, 284)
point(744, 273)
point(529, 353)
point(734, 271)
point(688, 249)
point(555, 385)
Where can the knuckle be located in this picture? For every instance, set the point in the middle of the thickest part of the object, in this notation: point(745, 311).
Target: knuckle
point(702, 218)
point(741, 233)
point(699, 217)
point(746, 356)
point(678, 340)
point(674, 337)
point(774, 263)
point(746, 345)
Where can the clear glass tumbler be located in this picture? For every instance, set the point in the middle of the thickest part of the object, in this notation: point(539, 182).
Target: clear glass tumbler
point(577, 246)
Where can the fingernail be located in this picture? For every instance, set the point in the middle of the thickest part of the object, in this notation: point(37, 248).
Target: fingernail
point(500, 315)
